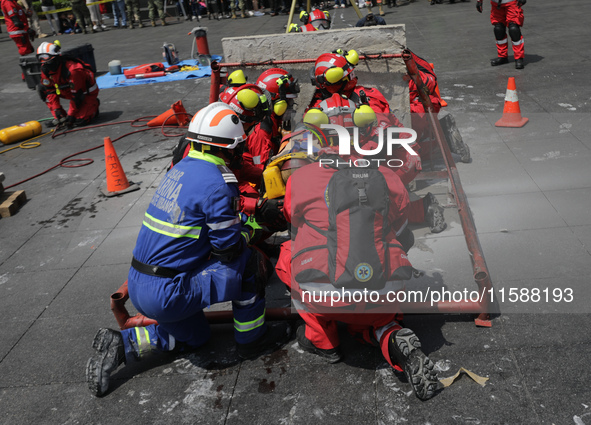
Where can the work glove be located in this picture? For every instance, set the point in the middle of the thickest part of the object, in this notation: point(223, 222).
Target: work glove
point(252, 231)
point(479, 6)
point(521, 3)
point(69, 122)
point(411, 163)
point(32, 34)
point(270, 212)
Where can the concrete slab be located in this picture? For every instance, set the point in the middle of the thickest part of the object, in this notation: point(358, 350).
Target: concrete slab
point(564, 257)
point(572, 205)
point(387, 74)
point(520, 211)
point(55, 251)
point(98, 283)
point(494, 170)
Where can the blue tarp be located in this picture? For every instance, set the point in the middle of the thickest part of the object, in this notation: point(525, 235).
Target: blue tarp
point(109, 81)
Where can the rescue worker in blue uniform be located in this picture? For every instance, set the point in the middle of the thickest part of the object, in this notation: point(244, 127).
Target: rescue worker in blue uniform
point(192, 252)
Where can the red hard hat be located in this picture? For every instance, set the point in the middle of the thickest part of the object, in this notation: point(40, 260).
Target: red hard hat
point(269, 80)
point(249, 101)
point(320, 20)
point(332, 72)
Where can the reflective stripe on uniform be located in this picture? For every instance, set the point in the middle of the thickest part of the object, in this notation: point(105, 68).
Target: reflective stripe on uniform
point(256, 160)
point(402, 228)
point(169, 229)
point(17, 32)
point(171, 342)
point(249, 326)
point(518, 42)
point(93, 88)
point(223, 224)
point(380, 331)
point(143, 340)
point(503, 41)
point(246, 302)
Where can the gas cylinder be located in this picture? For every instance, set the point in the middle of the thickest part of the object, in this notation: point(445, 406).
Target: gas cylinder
point(23, 131)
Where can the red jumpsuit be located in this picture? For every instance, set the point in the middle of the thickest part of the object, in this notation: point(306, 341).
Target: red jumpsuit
point(505, 14)
point(419, 120)
point(17, 26)
point(305, 207)
point(75, 82)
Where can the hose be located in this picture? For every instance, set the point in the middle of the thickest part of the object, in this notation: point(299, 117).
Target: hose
point(69, 161)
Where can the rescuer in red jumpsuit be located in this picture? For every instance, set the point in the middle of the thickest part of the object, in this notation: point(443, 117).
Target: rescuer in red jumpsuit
point(307, 211)
point(334, 75)
point(507, 14)
point(67, 78)
point(18, 26)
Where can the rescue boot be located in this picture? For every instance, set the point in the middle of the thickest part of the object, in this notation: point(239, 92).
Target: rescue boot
point(331, 355)
point(130, 25)
point(499, 61)
point(277, 336)
point(382, 13)
point(242, 14)
point(518, 63)
point(404, 349)
point(434, 214)
point(153, 23)
point(233, 14)
point(164, 22)
point(140, 25)
point(110, 354)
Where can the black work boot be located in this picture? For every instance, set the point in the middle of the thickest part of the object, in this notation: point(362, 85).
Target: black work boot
point(110, 354)
point(433, 213)
point(404, 349)
point(332, 355)
point(518, 63)
point(277, 336)
point(499, 61)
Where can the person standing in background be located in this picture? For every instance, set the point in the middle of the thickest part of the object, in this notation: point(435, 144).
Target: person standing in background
point(52, 18)
point(95, 16)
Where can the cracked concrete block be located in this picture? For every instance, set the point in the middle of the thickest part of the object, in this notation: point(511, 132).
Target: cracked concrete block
point(384, 74)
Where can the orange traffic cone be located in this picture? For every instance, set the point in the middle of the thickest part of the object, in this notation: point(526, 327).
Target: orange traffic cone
point(117, 183)
point(176, 115)
point(511, 113)
point(441, 101)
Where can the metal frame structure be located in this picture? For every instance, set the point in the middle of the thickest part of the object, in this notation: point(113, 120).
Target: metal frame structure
point(480, 269)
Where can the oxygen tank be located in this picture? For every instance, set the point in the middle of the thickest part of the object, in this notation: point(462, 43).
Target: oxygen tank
point(24, 131)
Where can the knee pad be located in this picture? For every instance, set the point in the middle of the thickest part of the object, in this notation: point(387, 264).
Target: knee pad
point(42, 92)
point(500, 31)
point(514, 32)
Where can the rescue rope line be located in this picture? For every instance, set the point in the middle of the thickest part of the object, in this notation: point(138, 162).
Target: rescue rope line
point(70, 162)
point(28, 144)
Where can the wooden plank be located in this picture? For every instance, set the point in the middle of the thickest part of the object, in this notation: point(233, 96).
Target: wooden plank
point(10, 202)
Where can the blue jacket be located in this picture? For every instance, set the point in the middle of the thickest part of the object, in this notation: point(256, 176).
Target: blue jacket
point(193, 210)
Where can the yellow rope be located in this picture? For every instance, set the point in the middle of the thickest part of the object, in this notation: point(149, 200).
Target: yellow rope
point(28, 144)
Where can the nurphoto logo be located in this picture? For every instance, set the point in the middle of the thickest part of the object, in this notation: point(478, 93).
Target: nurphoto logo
point(389, 141)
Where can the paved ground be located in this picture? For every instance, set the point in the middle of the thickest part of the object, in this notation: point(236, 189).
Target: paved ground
point(68, 248)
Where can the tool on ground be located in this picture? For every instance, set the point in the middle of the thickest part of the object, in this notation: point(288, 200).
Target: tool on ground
point(143, 70)
point(203, 57)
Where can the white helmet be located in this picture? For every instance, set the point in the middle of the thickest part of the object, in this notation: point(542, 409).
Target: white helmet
point(47, 51)
point(217, 125)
